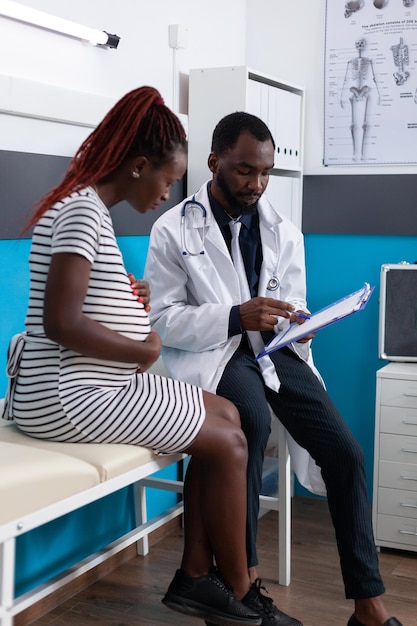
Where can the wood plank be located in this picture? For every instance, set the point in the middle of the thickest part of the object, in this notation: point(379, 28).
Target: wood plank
point(131, 594)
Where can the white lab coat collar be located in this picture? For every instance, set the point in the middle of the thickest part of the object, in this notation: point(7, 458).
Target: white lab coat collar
point(269, 225)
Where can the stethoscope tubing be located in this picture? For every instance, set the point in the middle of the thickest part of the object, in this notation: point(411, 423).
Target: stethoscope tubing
point(273, 282)
point(187, 205)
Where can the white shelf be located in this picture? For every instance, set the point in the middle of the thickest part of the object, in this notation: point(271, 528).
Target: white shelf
point(216, 92)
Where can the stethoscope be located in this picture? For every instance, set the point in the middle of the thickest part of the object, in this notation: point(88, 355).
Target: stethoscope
point(273, 282)
point(188, 205)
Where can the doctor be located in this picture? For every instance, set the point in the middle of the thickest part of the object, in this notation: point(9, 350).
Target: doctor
point(213, 322)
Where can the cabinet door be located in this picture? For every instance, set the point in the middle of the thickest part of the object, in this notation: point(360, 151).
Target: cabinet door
point(398, 448)
point(398, 392)
point(284, 193)
point(397, 531)
point(287, 129)
point(281, 111)
point(397, 502)
point(396, 475)
point(399, 420)
point(258, 100)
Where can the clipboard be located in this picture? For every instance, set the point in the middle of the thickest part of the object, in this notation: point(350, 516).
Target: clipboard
point(331, 314)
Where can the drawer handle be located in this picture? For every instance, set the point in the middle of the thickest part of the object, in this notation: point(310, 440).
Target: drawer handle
point(408, 532)
point(409, 450)
point(410, 395)
point(408, 506)
point(410, 422)
point(408, 478)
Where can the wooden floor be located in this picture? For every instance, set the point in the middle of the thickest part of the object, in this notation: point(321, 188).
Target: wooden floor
point(131, 595)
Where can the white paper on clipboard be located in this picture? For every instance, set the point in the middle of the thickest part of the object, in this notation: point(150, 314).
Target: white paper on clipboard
point(332, 313)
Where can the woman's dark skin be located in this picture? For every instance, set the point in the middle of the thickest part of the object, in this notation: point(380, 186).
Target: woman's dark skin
point(216, 523)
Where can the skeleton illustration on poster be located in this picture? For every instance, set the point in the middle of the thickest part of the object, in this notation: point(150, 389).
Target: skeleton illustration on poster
point(370, 82)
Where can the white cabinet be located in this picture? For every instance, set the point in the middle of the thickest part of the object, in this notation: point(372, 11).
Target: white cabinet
point(395, 465)
point(216, 92)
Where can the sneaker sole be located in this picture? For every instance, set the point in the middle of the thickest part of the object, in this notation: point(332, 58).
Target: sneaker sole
point(190, 607)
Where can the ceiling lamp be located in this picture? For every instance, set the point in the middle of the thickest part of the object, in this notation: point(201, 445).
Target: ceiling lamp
point(21, 13)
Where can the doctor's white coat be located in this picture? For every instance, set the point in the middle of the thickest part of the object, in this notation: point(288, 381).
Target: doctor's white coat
point(192, 294)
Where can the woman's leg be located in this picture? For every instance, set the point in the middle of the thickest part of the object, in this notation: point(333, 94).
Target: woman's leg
point(242, 384)
point(215, 511)
point(215, 497)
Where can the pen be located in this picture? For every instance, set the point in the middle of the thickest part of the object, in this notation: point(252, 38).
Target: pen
point(298, 314)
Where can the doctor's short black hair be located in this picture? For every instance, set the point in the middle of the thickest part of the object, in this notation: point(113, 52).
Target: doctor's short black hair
point(229, 129)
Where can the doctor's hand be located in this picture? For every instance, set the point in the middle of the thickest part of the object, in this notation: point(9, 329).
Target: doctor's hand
point(262, 313)
point(301, 320)
point(140, 288)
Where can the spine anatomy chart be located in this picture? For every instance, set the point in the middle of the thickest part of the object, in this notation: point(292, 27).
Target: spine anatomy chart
point(370, 82)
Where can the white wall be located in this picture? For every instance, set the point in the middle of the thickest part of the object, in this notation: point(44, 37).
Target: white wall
point(285, 38)
point(216, 36)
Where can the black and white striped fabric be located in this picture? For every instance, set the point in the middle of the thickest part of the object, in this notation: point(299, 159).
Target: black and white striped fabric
point(62, 395)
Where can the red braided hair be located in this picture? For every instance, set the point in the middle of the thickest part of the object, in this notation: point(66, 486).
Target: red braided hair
point(139, 124)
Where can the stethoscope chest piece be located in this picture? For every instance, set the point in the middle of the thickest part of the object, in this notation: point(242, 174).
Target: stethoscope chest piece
point(273, 284)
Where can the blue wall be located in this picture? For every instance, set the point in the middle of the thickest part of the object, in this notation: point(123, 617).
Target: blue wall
point(346, 354)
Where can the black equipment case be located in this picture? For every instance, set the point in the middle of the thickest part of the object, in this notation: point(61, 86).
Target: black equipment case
point(397, 340)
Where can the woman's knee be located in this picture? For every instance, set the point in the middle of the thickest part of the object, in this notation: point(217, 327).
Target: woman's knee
point(221, 435)
point(230, 443)
point(235, 445)
point(221, 407)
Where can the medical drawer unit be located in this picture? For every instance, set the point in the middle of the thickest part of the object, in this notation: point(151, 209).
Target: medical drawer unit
point(395, 461)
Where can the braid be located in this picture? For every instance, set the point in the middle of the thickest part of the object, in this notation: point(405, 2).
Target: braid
point(138, 125)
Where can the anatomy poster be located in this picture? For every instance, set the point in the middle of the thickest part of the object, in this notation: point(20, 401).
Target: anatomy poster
point(370, 99)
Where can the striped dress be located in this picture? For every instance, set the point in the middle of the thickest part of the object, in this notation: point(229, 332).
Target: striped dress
point(62, 395)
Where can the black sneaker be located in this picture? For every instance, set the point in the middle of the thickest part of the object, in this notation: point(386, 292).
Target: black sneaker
point(271, 615)
point(207, 597)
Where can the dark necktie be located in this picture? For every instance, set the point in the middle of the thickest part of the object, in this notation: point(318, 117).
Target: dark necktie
point(254, 336)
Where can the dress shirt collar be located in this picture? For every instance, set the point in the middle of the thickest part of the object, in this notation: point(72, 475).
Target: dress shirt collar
point(222, 218)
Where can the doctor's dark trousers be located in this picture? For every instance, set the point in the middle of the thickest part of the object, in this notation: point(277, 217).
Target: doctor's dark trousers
point(307, 412)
